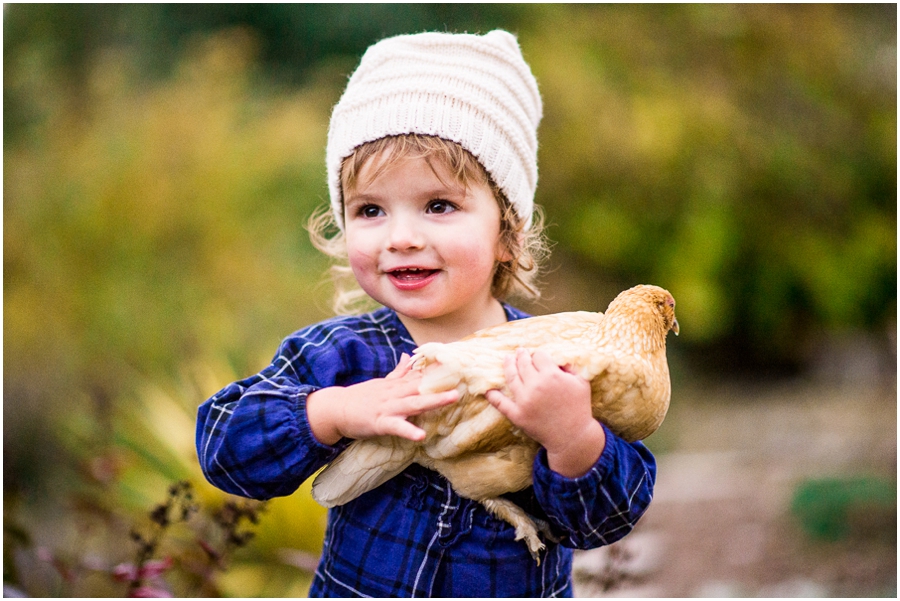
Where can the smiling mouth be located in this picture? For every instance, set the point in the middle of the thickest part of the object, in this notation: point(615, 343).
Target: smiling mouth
point(411, 279)
point(412, 274)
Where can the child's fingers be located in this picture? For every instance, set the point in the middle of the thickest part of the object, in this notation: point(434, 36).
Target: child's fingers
point(542, 360)
point(509, 367)
point(497, 399)
point(524, 363)
point(414, 405)
point(519, 369)
point(402, 428)
point(421, 403)
point(402, 368)
point(511, 370)
point(569, 369)
point(500, 402)
point(396, 386)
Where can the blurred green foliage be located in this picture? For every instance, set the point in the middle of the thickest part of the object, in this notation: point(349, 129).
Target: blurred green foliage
point(160, 162)
point(832, 509)
point(68, 540)
point(742, 156)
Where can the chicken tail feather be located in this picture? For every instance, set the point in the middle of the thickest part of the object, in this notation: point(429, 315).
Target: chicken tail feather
point(363, 466)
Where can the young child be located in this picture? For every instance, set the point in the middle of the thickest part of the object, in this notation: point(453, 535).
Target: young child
point(432, 167)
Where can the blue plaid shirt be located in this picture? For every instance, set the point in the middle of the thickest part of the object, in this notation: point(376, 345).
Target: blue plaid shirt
point(412, 536)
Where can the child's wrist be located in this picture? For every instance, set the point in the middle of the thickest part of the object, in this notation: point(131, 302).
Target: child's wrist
point(319, 414)
point(579, 453)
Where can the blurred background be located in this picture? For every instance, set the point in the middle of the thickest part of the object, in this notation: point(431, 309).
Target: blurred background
point(159, 165)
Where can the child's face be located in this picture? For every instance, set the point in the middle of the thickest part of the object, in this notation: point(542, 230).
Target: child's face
point(420, 244)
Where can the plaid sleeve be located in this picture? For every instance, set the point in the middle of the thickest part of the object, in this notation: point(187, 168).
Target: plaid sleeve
point(253, 436)
point(255, 441)
point(604, 505)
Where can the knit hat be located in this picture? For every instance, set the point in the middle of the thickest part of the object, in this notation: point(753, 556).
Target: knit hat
point(475, 90)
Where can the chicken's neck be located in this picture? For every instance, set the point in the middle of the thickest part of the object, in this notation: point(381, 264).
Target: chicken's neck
point(634, 333)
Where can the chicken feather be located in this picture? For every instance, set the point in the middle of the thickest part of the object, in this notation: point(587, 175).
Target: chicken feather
point(621, 353)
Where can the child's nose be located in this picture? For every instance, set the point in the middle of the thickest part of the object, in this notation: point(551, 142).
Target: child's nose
point(404, 234)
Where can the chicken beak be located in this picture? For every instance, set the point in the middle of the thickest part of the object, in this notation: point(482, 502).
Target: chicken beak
point(675, 326)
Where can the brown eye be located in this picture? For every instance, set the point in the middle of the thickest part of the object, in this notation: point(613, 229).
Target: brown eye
point(370, 211)
point(440, 207)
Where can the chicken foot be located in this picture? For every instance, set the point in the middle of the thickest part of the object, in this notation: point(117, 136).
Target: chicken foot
point(527, 527)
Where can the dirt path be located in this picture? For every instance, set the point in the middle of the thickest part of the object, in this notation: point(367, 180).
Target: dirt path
point(730, 461)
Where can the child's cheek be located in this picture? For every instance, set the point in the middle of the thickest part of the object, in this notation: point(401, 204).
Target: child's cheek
point(360, 262)
point(479, 260)
point(365, 269)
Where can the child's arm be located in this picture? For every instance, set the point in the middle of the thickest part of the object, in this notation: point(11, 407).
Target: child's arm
point(253, 438)
point(261, 437)
point(606, 503)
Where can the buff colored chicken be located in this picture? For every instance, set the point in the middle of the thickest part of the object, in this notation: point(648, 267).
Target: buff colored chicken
point(481, 453)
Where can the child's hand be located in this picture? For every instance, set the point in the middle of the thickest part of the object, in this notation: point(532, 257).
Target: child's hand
point(552, 406)
point(376, 407)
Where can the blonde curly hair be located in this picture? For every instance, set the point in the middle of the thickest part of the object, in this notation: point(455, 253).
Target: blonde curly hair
point(527, 247)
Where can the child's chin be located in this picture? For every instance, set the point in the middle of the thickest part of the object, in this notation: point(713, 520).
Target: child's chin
point(415, 310)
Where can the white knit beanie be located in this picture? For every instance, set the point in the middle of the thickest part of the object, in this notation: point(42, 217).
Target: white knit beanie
point(475, 90)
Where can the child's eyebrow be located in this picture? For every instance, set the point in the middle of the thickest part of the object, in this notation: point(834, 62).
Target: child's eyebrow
point(458, 192)
point(357, 198)
point(455, 191)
